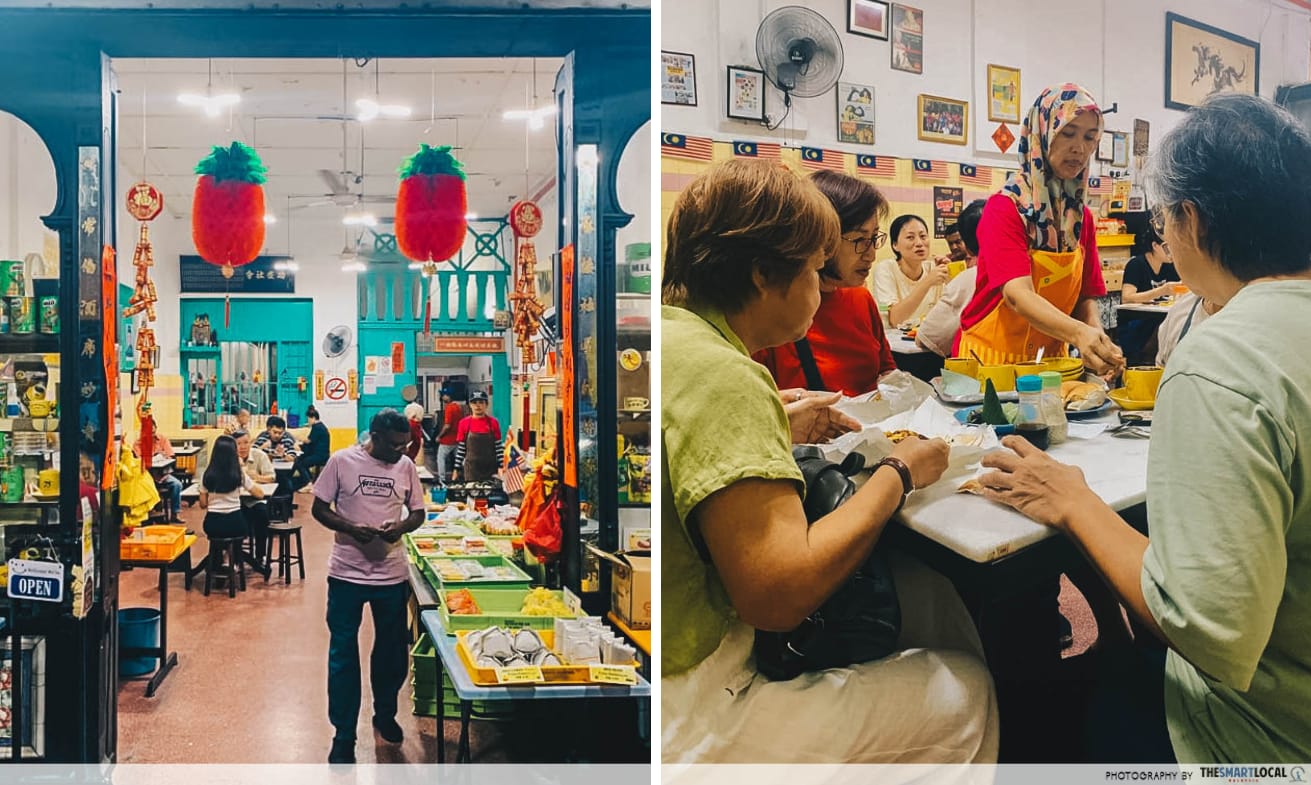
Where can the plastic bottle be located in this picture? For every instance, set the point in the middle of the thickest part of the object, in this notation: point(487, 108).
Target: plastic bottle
point(1029, 422)
point(1053, 407)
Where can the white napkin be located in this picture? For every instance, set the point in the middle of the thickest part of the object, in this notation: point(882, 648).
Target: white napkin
point(958, 384)
point(1079, 430)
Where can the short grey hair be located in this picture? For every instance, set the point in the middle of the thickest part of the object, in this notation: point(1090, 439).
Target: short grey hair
point(1245, 165)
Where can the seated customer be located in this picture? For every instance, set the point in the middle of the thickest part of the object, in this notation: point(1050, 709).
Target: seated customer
point(1148, 275)
point(220, 491)
point(737, 551)
point(275, 440)
point(845, 350)
point(1220, 580)
point(259, 468)
point(1187, 312)
point(907, 286)
point(314, 453)
point(162, 448)
point(937, 332)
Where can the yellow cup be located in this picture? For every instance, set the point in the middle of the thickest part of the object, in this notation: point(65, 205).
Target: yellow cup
point(1031, 368)
point(956, 268)
point(966, 366)
point(1140, 382)
point(48, 482)
point(38, 407)
point(1003, 377)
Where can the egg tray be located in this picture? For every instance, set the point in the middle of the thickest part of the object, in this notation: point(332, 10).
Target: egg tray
point(554, 674)
point(500, 608)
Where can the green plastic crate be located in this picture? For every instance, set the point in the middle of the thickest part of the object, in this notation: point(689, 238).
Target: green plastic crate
point(425, 705)
point(500, 608)
point(519, 578)
point(423, 667)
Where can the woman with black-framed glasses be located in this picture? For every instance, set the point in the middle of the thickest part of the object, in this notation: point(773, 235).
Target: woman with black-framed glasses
point(845, 350)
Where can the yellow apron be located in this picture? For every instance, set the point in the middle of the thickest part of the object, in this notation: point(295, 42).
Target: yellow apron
point(1004, 337)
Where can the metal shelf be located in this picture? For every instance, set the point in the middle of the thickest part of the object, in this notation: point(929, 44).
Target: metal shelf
point(38, 343)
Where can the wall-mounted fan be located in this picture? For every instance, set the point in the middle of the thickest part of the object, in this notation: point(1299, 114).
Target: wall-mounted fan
point(800, 53)
point(337, 341)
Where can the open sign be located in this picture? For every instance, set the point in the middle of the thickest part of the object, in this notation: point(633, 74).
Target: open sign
point(42, 581)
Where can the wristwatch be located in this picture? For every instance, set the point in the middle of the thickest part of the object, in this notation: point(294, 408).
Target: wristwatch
point(906, 484)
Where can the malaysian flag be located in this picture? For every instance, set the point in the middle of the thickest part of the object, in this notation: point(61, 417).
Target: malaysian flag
point(884, 166)
point(512, 468)
point(1099, 186)
point(814, 158)
point(976, 175)
point(694, 148)
point(930, 170)
point(766, 150)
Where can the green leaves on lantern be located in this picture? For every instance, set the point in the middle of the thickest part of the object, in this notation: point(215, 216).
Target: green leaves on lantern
point(238, 162)
point(432, 160)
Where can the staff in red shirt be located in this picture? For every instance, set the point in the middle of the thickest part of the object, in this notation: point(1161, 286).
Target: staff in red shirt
point(452, 413)
point(845, 350)
point(1039, 271)
point(477, 442)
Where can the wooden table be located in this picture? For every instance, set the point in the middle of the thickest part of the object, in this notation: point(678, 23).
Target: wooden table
point(167, 660)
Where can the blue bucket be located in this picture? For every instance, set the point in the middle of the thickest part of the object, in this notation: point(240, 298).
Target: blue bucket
point(438, 494)
point(137, 627)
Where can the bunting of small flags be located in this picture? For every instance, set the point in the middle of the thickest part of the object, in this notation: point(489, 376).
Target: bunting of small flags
point(884, 166)
point(814, 158)
point(693, 148)
point(1099, 186)
point(766, 150)
point(930, 170)
point(976, 175)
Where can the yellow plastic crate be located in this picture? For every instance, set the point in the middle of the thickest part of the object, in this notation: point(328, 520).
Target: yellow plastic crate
point(157, 543)
point(553, 674)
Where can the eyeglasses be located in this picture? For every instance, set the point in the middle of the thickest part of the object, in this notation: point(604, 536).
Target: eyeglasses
point(863, 244)
point(1158, 220)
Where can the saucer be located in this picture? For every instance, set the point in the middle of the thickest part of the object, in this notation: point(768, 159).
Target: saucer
point(1130, 404)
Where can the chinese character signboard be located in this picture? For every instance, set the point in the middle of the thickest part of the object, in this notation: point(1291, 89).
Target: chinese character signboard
point(258, 277)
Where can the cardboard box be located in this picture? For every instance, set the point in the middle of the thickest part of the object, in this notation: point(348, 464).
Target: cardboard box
point(630, 586)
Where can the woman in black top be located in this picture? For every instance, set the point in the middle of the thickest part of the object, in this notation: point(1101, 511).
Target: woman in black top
point(1150, 273)
point(314, 452)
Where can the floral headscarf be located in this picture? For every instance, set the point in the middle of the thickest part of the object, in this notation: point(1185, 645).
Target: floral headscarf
point(1037, 196)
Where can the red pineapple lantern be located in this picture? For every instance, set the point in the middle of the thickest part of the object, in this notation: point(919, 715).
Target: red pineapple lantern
point(227, 210)
point(430, 210)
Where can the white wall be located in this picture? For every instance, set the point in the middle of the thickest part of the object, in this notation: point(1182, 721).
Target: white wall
point(634, 185)
point(1115, 49)
point(27, 190)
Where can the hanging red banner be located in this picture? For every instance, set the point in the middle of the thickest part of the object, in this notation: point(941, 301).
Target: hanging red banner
point(570, 425)
point(397, 357)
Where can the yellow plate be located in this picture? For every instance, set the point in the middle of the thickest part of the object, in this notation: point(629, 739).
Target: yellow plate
point(1129, 404)
point(1065, 365)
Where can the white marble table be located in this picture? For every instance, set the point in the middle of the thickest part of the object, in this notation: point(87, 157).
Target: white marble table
point(425, 475)
point(1145, 307)
point(192, 491)
point(902, 344)
point(160, 463)
point(983, 531)
point(182, 452)
point(282, 465)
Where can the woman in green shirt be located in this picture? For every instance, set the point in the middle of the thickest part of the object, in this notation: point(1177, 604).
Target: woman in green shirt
point(745, 244)
point(1224, 582)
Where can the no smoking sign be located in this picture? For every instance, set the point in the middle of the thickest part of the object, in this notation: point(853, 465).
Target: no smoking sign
point(335, 389)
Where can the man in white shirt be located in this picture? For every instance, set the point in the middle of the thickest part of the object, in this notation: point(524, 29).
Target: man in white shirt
point(938, 331)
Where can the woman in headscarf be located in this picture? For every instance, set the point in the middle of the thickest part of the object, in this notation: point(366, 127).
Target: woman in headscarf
point(1039, 272)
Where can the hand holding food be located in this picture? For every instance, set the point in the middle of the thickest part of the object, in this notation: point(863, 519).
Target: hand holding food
point(813, 420)
point(926, 459)
point(1102, 356)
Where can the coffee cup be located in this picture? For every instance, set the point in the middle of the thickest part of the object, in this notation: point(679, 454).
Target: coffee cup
point(1002, 376)
point(965, 366)
point(48, 482)
point(634, 403)
point(1030, 368)
point(1140, 382)
point(956, 268)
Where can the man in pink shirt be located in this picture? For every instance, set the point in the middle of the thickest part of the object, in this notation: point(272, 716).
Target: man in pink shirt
point(369, 495)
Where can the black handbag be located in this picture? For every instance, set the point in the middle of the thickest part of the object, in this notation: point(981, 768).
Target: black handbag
point(860, 622)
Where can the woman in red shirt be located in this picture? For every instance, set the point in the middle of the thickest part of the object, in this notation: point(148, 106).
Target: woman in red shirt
point(845, 350)
point(1039, 271)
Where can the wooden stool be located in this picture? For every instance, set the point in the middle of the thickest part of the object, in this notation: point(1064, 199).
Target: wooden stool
point(281, 534)
point(234, 573)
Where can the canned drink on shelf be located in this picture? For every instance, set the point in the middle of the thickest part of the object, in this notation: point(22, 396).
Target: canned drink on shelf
point(22, 320)
point(12, 283)
point(11, 484)
point(50, 315)
point(6, 449)
point(4, 318)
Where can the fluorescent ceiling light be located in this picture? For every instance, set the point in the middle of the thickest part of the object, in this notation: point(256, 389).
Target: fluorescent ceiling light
point(368, 109)
point(212, 104)
point(354, 267)
point(288, 266)
point(470, 216)
point(270, 218)
point(360, 219)
point(536, 117)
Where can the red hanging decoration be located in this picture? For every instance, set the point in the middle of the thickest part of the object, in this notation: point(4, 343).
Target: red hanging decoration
point(431, 205)
point(227, 209)
point(525, 221)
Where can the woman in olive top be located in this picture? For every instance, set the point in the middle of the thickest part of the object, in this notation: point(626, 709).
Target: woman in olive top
point(746, 242)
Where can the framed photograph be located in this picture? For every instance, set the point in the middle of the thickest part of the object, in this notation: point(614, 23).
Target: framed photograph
point(943, 119)
point(1201, 61)
point(907, 39)
point(1119, 148)
point(855, 113)
point(746, 93)
point(1106, 147)
point(868, 18)
point(32, 670)
point(677, 79)
point(1003, 94)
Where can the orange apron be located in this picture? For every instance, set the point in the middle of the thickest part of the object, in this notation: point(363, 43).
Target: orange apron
point(1004, 337)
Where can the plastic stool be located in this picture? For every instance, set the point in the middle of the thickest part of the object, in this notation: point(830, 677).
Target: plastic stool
point(234, 573)
point(281, 533)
